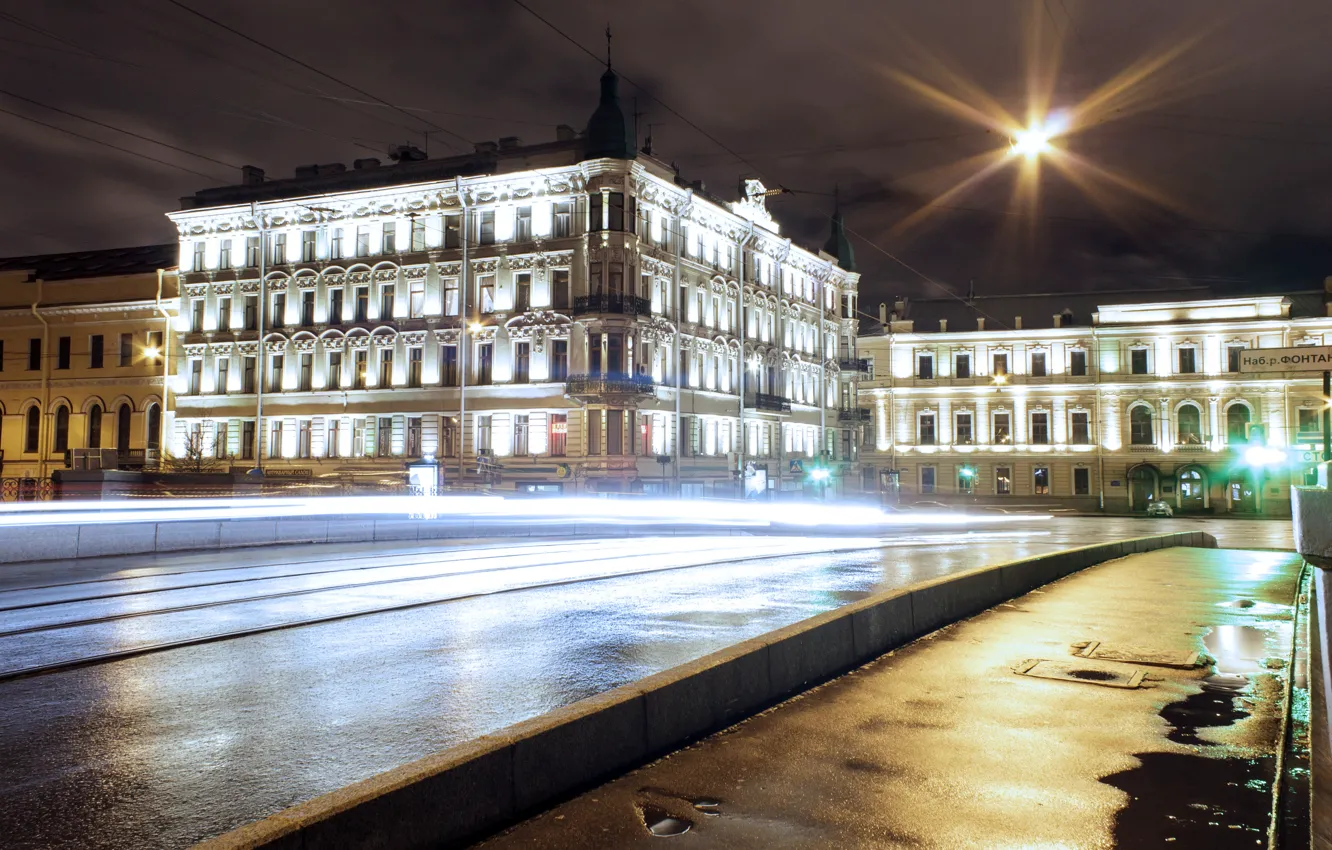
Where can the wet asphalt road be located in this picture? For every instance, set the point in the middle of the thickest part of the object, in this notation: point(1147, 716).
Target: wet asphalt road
point(164, 748)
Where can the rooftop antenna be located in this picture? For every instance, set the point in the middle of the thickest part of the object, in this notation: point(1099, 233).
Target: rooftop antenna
point(638, 115)
point(647, 149)
point(608, 46)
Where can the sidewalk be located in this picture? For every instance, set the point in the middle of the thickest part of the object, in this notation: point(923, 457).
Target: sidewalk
point(942, 744)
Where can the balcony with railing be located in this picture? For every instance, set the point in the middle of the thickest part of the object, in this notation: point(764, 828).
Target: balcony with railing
point(853, 414)
point(767, 403)
point(615, 303)
point(859, 366)
point(608, 388)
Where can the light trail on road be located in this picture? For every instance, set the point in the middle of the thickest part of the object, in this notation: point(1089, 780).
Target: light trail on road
point(42, 639)
point(163, 749)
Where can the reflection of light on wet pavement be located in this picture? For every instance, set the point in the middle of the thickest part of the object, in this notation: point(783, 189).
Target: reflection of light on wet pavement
point(1239, 649)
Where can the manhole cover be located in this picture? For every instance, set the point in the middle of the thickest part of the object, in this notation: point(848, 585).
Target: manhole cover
point(1182, 659)
point(1043, 668)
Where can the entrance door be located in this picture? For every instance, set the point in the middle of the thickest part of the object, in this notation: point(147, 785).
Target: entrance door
point(1242, 492)
point(1142, 488)
point(1192, 490)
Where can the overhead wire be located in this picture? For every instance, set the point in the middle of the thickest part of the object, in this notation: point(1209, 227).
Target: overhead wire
point(107, 126)
point(741, 158)
point(106, 144)
point(306, 65)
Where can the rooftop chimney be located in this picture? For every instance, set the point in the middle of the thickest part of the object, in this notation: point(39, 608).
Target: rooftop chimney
point(943, 326)
point(251, 175)
point(883, 314)
point(1017, 323)
point(565, 133)
point(367, 162)
point(406, 153)
point(487, 147)
point(508, 143)
point(1059, 320)
point(980, 323)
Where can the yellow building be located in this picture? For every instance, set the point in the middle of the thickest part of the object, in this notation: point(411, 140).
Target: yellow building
point(85, 348)
point(1095, 401)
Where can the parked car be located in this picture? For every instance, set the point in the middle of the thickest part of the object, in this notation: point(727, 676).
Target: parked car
point(1159, 508)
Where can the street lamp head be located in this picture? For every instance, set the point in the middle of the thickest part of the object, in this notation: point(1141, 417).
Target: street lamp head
point(152, 353)
point(1034, 141)
point(1000, 379)
point(1261, 456)
point(475, 327)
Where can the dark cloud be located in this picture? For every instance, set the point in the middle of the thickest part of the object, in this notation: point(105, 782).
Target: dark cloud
point(1233, 135)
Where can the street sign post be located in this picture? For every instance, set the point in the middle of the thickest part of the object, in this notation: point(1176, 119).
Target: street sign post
point(1304, 358)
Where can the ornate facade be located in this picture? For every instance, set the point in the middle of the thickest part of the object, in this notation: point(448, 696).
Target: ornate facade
point(1132, 403)
point(528, 317)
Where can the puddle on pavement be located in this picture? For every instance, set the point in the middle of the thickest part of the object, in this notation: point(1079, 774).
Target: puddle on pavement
point(1237, 649)
point(662, 823)
point(1194, 801)
point(1191, 800)
point(1092, 675)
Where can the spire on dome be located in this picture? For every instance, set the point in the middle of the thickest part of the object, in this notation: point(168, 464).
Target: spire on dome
point(607, 133)
point(838, 245)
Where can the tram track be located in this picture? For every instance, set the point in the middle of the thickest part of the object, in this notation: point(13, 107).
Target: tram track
point(423, 557)
point(614, 554)
point(698, 557)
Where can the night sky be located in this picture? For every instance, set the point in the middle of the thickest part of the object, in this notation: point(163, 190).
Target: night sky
point(1228, 143)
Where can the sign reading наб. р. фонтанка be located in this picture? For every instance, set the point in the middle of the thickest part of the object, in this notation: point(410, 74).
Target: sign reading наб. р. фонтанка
point(1306, 358)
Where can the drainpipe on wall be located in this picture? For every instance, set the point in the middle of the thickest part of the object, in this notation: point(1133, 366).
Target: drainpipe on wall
point(261, 353)
point(166, 365)
point(1100, 426)
point(465, 226)
point(46, 383)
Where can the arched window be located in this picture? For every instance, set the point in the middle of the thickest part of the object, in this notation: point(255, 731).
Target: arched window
point(62, 429)
point(95, 427)
point(123, 428)
point(1189, 420)
point(34, 430)
point(1237, 424)
point(153, 438)
point(1140, 426)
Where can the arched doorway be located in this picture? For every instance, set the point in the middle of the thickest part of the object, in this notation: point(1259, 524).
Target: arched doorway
point(1242, 491)
point(152, 438)
point(123, 428)
point(1192, 489)
point(1144, 485)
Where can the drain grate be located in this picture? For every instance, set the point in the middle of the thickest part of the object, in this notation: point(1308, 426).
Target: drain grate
point(1182, 659)
point(1044, 668)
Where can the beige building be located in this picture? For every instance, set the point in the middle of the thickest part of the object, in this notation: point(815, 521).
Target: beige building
point(85, 347)
point(1099, 402)
point(567, 315)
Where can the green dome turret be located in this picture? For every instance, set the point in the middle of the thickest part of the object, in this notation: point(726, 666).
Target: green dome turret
point(607, 133)
point(838, 245)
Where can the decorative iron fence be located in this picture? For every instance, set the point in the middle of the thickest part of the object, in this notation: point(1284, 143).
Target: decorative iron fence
point(26, 490)
point(609, 385)
point(767, 402)
point(628, 305)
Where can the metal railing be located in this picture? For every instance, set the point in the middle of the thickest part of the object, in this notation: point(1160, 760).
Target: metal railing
point(858, 365)
point(609, 385)
point(628, 305)
point(767, 402)
point(853, 414)
point(26, 490)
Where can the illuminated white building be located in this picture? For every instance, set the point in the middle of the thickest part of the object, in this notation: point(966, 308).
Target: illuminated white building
point(532, 316)
point(1109, 407)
